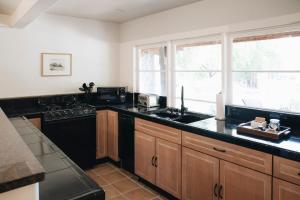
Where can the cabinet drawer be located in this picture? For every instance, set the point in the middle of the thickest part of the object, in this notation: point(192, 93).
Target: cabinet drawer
point(240, 155)
point(158, 130)
point(287, 169)
point(283, 190)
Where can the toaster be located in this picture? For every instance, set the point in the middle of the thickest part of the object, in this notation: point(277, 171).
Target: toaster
point(148, 100)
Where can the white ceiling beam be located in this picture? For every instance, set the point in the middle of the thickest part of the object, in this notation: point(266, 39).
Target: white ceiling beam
point(27, 11)
point(4, 20)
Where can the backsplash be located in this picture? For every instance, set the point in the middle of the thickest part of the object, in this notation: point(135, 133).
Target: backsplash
point(247, 114)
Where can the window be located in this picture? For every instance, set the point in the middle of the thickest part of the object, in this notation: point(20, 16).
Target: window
point(197, 67)
point(266, 71)
point(151, 70)
point(260, 70)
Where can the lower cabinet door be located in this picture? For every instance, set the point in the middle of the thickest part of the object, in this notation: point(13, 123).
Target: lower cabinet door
point(200, 176)
point(168, 170)
point(144, 156)
point(283, 190)
point(112, 135)
point(36, 122)
point(101, 134)
point(240, 183)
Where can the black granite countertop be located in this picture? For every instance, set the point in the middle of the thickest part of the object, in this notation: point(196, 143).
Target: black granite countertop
point(64, 179)
point(220, 130)
point(18, 166)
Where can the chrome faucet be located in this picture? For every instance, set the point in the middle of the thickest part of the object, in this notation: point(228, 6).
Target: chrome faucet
point(182, 109)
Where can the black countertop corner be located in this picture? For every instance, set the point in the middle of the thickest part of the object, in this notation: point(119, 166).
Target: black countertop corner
point(63, 179)
point(18, 166)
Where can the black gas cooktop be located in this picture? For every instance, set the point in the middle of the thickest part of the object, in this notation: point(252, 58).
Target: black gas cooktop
point(58, 112)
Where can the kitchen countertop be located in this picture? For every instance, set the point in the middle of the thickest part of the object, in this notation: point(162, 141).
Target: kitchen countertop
point(221, 130)
point(64, 179)
point(18, 166)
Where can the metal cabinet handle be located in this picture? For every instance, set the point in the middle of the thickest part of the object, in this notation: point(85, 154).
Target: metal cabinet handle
point(220, 192)
point(155, 161)
point(215, 190)
point(152, 160)
point(220, 150)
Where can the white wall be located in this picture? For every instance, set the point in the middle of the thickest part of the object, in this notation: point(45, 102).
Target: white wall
point(200, 18)
point(93, 44)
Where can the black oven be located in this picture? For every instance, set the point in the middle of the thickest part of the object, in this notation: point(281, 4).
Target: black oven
point(111, 94)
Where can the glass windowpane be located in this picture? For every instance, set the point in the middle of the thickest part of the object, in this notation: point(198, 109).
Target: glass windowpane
point(272, 90)
point(198, 85)
point(198, 56)
point(152, 82)
point(151, 59)
point(196, 106)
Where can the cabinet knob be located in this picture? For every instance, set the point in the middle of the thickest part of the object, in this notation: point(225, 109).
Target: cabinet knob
point(215, 190)
point(299, 174)
point(220, 150)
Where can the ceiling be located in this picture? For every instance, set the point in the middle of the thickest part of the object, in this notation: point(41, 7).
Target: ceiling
point(7, 7)
point(113, 10)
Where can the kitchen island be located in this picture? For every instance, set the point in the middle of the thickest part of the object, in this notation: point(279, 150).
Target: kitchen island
point(20, 171)
point(63, 179)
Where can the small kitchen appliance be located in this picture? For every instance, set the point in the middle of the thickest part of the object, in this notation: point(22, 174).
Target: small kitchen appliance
point(111, 94)
point(148, 100)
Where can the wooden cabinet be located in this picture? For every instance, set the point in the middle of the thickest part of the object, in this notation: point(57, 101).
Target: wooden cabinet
point(238, 182)
point(289, 187)
point(288, 170)
point(283, 190)
point(36, 122)
point(168, 163)
point(158, 155)
point(158, 130)
point(112, 135)
point(219, 170)
point(101, 132)
point(107, 135)
point(246, 157)
point(144, 156)
point(200, 176)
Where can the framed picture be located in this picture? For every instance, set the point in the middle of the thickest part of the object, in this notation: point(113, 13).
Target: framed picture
point(56, 64)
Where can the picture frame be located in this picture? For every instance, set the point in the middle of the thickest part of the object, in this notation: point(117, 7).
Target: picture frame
point(56, 64)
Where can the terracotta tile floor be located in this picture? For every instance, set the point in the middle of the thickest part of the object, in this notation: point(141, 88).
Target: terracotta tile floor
point(119, 184)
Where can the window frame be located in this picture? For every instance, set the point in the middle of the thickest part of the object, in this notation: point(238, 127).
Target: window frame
point(209, 38)
point(137, 70)
point(226, 36)
point(255, 33)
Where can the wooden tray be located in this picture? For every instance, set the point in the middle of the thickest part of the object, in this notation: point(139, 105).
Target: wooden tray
point(246, 129)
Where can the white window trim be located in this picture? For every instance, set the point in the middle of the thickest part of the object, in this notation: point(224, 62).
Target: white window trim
point(215, 37)
point(246, 33)
point(137, 70)
point(226, 37)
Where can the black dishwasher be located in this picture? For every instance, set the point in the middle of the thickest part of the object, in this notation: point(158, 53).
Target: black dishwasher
point(126, 142)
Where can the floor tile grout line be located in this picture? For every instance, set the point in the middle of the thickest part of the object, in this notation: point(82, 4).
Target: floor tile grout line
point(127, 176)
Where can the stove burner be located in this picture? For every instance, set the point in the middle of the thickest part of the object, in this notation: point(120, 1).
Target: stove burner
point(56, 112)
